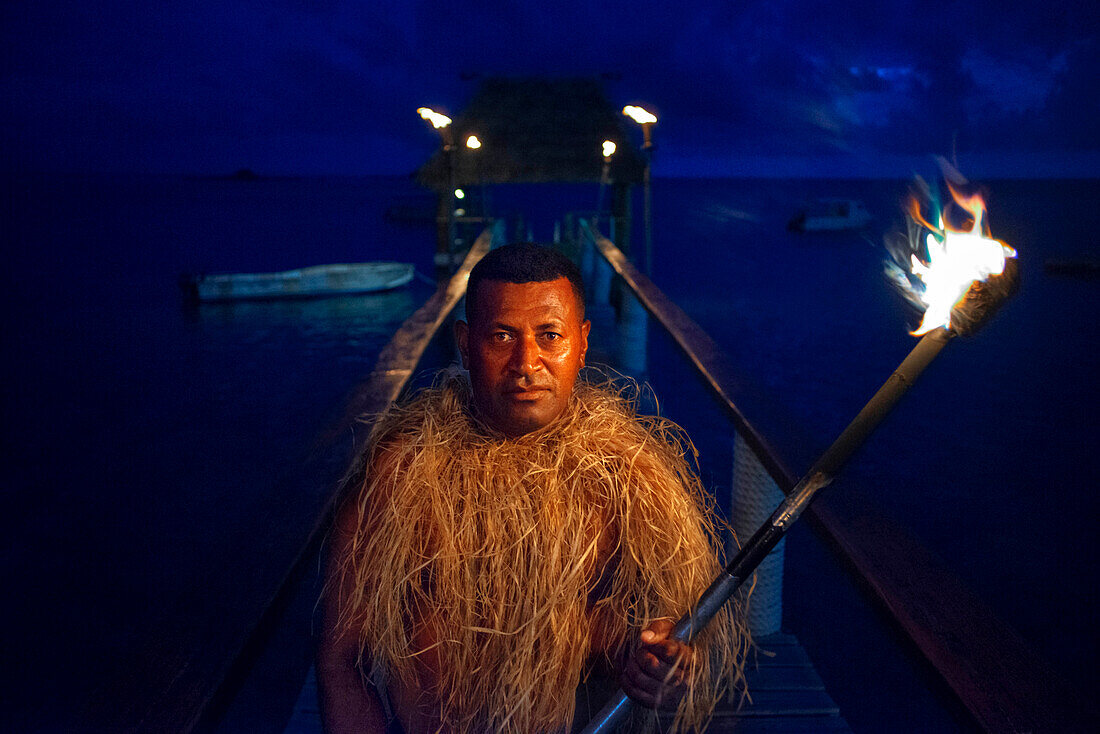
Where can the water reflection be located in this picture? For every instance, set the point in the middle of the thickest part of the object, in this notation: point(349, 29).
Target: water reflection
point(282, 351)
point(316, 323)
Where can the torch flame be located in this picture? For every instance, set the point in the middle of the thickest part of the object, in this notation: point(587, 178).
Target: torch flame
point(608, 148)
point(639, 115)
point(437, 120)
point(957, 258)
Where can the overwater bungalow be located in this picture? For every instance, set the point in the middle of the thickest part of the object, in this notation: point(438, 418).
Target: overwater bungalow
point(531, 131)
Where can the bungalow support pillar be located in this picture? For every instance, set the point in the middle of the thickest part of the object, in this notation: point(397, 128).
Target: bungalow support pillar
point(631, 319)
point(620, 218)
point(445, 214)
point(443, 236)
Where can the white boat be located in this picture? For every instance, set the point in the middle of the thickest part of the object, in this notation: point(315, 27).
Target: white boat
point(317, 280)
point(831, 215)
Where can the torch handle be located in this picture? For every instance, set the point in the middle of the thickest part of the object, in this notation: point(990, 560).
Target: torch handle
point(880, 404)
point(768, 535)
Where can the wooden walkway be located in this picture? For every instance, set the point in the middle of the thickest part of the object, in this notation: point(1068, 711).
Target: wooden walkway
point(787, 695)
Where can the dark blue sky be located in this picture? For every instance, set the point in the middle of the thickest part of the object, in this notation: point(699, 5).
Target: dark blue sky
point(315, 87)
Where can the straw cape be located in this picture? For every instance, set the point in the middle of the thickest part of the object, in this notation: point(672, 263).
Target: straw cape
point(530, 559)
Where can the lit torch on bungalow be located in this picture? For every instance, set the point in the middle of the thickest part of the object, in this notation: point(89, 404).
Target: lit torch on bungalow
point(444, 217)
point(646, 119)
point(960, 275)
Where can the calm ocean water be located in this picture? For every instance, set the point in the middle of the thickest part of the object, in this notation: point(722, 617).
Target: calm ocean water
point(142, 434)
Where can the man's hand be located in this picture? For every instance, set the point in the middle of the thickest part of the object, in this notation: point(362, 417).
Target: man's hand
point(657, 675)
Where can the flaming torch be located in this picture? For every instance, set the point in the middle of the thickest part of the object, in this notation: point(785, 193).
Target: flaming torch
point(960, 276)
point(959, 273)
point(445, 219)
point(646, 119)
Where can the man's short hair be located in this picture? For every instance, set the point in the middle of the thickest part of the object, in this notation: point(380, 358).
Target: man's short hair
point(522, 262)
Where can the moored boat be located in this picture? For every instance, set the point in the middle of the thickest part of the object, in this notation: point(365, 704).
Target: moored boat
point(316, 280)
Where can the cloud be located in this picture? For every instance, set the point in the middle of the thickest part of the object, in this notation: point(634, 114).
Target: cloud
point(134, 84)
point(1013, 85)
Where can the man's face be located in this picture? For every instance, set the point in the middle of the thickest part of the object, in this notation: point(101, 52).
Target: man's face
point(523, 352)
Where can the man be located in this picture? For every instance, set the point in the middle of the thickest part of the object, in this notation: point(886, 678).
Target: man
point(517, 535)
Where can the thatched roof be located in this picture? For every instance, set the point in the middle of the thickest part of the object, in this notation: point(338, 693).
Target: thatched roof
point(535, 131)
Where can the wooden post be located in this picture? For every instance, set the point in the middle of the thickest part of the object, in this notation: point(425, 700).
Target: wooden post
point(443, 237)
point(631, 332)
point(570, 247)
point(588, 258)
point(647, 151)
point(621, 211)
point(631, 320)
point(445, 217)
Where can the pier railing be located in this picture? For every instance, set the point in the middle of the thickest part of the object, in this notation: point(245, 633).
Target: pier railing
point(986, 664)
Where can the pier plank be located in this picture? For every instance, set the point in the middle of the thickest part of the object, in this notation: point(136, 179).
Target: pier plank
point(786, 678)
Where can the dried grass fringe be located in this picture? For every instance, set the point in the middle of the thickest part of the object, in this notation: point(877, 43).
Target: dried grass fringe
point(501, 538)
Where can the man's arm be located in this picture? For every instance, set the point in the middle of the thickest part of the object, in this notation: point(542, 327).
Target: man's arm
point(348, 702)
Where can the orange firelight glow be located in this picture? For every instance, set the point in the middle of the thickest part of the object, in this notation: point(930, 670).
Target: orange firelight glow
point(957, 258)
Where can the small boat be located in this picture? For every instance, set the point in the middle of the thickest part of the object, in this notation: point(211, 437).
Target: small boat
point(317, 280)
point(830, 215)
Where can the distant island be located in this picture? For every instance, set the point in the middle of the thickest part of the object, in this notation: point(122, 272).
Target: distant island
point(241, 174)
point(244, 174)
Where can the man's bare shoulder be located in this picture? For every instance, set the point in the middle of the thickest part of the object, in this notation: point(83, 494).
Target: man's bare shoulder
point(371, 488)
